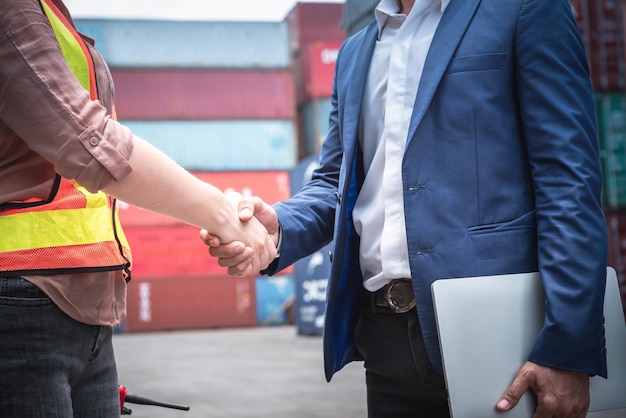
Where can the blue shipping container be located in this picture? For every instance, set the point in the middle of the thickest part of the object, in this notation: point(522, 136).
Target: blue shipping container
point(274, 297)
point(223, 145)
point(189, 44)
point(310, 273)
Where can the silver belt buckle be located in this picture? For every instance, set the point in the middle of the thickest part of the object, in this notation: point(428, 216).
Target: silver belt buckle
point(392, 304)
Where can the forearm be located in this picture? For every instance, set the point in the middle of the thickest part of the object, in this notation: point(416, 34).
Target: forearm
point(160, 185)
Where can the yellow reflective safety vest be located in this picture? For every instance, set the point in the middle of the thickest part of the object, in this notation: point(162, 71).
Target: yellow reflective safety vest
point(73, 230)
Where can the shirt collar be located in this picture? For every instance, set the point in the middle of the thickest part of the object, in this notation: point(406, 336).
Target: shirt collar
point(387, 8)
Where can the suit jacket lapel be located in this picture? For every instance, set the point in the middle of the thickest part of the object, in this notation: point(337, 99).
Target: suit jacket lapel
point(449, 33)
point(356, 87)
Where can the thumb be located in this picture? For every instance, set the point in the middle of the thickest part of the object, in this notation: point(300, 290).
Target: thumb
point(209, 239)
point(514, 393)
point(247, 208)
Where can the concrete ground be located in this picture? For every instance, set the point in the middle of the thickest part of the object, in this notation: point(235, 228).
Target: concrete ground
point(236, 373)
point(259, 372)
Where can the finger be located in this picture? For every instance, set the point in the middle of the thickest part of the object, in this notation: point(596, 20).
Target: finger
point(232, 249)
point(236, 260)
point(242, 269)
point(514, 393)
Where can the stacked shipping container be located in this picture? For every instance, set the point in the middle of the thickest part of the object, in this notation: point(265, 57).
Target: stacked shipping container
point(316, 37)
point(219, 98)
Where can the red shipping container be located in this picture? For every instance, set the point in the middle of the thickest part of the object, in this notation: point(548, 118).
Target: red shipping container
point(624, 27)
point(163, 252)
point(190, 303)
point(271, 186)
point(311, 22)
point(600, 24)
point(316, 70)
point(164, 247)
point(186, 94)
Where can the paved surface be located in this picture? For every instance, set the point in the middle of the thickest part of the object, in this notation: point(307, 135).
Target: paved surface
point(264, 372)
point(237, 373)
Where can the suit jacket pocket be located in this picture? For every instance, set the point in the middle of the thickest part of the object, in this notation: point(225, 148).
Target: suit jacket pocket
point(480, 62)
point(516, 238)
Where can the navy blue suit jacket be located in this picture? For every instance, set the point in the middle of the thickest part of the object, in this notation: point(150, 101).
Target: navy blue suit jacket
point(501, 174)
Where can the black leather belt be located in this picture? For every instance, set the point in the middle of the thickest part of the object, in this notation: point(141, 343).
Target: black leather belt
point(396, 295)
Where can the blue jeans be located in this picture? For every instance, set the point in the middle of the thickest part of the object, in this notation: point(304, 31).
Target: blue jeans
point(51, 365)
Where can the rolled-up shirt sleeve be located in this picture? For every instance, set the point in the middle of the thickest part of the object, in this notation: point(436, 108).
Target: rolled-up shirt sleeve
point(42, 102)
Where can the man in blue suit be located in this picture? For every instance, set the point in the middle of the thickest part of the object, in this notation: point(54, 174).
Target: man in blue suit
point(461, 142)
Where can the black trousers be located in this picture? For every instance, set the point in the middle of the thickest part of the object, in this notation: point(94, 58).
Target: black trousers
point(400, 380)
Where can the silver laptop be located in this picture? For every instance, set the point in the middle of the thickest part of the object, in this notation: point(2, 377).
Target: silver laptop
point(487, 326)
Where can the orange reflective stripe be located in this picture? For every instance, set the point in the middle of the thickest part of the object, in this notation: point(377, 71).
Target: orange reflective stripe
point(102, 256)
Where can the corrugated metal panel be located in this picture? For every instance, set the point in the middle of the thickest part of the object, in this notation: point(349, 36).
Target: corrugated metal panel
point(204, 94)
point(162, 252)
point(357, 14)
point(145, 43)
point(311, 22)
point(190, 303)
point(223, 145)
point(600, 24)
point(316, 70)
point(313, 125)
point(611, 116)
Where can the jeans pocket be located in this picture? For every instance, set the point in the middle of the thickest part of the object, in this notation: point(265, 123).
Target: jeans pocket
point(19, 291)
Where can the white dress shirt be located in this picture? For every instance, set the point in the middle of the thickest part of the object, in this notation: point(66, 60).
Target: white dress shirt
point(390, 91)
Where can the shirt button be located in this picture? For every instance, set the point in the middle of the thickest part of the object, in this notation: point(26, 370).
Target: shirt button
point(94, 141)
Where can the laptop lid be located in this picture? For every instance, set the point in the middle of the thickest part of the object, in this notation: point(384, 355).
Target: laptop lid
point(487, 326)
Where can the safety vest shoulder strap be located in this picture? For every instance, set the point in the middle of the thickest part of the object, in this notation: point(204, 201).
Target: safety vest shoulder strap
point(73, 48)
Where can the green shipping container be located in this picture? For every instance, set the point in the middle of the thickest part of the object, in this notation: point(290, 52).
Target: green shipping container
point(611, 117)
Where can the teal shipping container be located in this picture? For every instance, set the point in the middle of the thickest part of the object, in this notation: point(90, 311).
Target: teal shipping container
point(611, 118)
point(189, 44)
point(223, 145)
point(313, 125)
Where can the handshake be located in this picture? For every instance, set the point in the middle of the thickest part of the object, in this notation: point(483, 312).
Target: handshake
point(258, 248)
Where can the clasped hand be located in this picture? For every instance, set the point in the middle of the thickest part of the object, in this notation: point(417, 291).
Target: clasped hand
point(261, 224)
